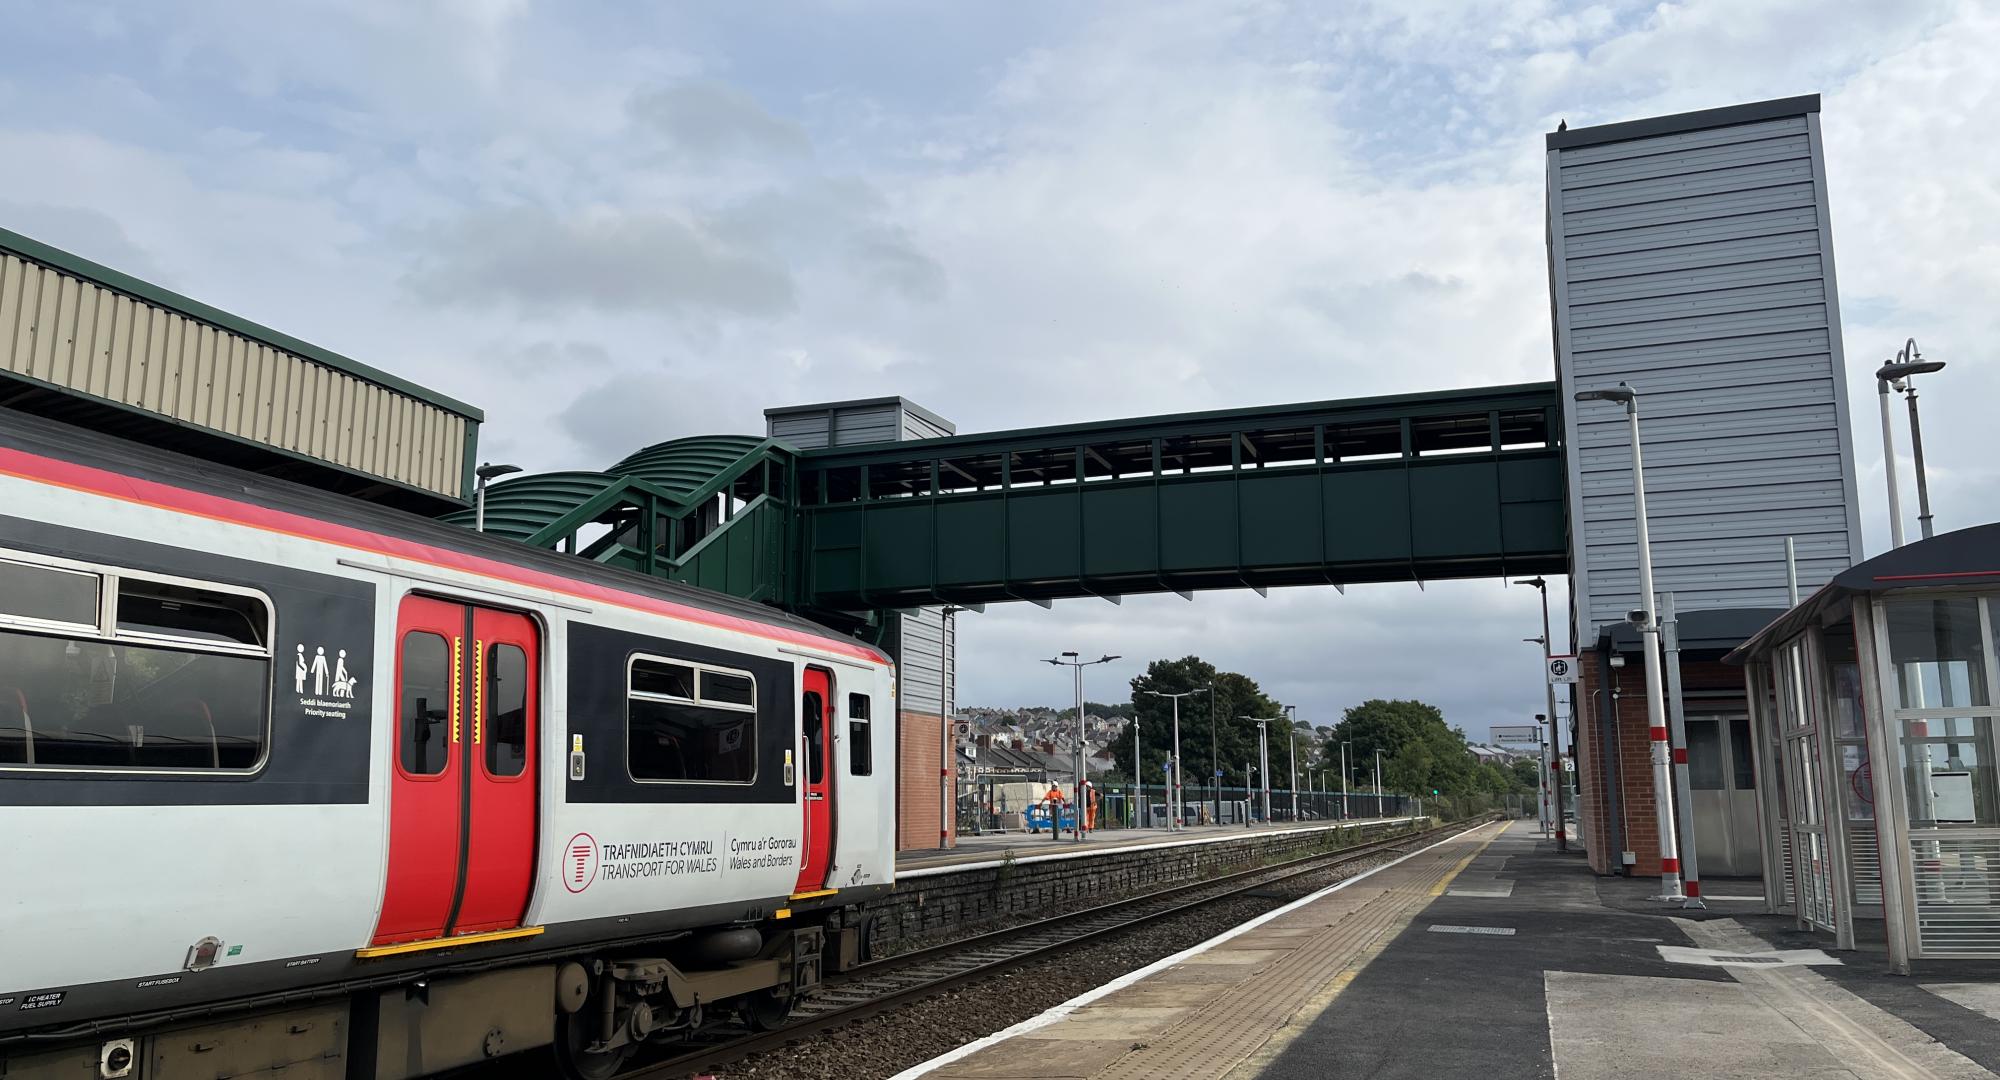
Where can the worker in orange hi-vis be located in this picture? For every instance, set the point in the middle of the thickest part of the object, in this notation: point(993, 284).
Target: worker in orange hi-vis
point(1055, 810)
point(1090, 805)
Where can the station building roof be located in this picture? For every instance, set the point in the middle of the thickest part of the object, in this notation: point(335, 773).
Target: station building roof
point(91, 345)
point(1965, 557)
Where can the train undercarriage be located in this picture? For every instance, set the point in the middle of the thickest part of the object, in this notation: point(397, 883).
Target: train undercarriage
point(589, 1014)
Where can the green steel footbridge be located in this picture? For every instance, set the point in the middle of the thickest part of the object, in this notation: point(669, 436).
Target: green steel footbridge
point(1414, 487)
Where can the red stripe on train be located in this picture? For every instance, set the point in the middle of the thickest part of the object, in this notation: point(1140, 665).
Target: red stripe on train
point(152, 493)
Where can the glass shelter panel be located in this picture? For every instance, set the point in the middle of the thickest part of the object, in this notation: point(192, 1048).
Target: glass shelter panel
point(1936, 651)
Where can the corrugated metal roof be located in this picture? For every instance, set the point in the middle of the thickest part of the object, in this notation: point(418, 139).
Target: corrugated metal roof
point(91, 345)
point(117, 281)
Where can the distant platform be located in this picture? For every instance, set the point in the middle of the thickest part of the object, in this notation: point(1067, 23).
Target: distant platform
point(974, 850)
point(1488, 954)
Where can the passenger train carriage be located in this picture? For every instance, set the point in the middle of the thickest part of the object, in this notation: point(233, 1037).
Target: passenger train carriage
point(292, 780)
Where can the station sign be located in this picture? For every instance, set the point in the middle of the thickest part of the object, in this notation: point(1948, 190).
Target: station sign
point(1562, 669)
point(1517, 735)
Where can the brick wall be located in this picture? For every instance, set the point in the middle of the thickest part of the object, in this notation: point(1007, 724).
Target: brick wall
point(919, 798)
point(1629, 759)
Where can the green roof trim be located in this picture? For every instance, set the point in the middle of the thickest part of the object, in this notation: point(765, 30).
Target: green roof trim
point(104, 276)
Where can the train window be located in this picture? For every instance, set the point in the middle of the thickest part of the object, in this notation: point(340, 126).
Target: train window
point(155, 609)
point(424, 718)
point(815, 711)
point(860, 748)
point(506, 716)
point(666, 680)
point(197, 699)
point(718, 688)
point(672, 737)
point(86, 703)
point(47, 594)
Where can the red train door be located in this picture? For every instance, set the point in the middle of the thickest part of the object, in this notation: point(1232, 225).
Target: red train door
point(462, 788)
point(816, 775)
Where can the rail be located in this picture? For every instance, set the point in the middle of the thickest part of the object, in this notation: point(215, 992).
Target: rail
point(880, 985)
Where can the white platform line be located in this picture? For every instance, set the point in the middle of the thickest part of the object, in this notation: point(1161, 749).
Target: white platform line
point(1058, 1012)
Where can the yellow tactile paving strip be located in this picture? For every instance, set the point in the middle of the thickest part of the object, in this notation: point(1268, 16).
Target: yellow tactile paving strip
point(1209, 1013)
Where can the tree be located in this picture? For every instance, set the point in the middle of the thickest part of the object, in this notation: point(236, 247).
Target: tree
point(1235, 741)
point(1420, 752)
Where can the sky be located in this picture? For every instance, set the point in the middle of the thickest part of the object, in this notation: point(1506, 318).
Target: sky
point(611, 224)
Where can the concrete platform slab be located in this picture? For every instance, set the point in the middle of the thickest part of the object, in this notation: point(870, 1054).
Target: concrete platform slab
point(1368, 981)
point(1610, 1027)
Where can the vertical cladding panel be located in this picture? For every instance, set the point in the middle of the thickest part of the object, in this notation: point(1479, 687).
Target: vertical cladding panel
point(805, 431)
point(919, 663)
point(98, 341)
point(1689, 257)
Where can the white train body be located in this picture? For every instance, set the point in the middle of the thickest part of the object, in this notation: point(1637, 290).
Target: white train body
point(412, 799)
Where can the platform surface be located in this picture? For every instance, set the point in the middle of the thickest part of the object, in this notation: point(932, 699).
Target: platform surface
point(1489, 955)
point(987, 847)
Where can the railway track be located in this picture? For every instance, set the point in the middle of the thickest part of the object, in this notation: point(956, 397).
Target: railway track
point(885, 984)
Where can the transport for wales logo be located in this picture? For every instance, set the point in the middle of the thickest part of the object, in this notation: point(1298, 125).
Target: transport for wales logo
point(579, 861)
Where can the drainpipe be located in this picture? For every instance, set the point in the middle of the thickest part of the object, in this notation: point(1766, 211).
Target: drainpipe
point(1607, 727)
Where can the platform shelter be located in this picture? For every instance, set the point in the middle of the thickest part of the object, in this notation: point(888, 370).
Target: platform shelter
point(1872, 716)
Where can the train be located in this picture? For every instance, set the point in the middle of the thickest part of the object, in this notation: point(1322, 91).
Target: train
point(295, 782)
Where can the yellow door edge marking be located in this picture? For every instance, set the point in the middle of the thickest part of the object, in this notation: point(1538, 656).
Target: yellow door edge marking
point(478, 687)
point(374, 951)
point(1261, 1058)
point(816, 893)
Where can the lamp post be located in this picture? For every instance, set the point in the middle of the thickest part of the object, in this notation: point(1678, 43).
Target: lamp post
point(1214, 763)
point(1646, 618)
point(1071, 660)
point(1174, 821)
point(1138, 778)
point(1263, 758)
point(1378, 783)
point(487, 472)
point(1292, 742)
point(946, 620)
point(1555, 737)
point(1897, 373)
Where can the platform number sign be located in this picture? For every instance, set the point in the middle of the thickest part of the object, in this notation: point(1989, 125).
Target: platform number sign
point(1562, 669)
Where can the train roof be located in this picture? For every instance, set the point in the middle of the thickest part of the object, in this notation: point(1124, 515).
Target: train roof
point(39, 437)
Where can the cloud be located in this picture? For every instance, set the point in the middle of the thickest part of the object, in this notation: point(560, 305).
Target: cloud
point(710, 120)
point(632, 409)
point(531, 259)
point(1102, 211)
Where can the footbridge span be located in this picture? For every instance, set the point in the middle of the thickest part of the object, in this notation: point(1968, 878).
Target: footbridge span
point(1412, 487)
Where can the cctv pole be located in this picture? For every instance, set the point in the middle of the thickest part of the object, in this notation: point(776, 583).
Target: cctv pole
point(1264, 767)
point(1379, 812)
point(1677, 723)
point(1345, 781)
point(1249, 771)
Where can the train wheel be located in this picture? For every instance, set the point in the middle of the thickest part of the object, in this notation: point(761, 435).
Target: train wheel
point(765, 1012)
point(573, 1056)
